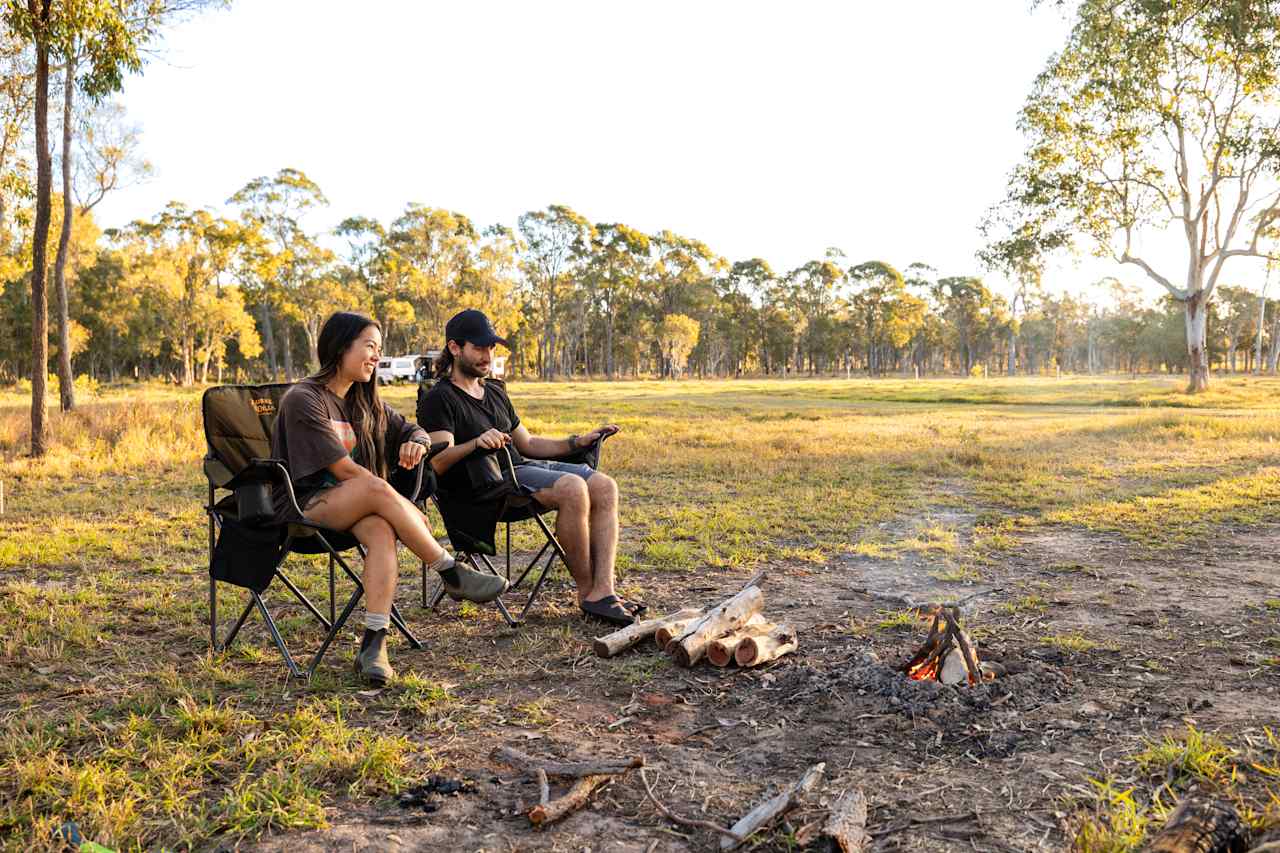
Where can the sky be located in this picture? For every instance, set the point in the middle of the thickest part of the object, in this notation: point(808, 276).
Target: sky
point(763, 129)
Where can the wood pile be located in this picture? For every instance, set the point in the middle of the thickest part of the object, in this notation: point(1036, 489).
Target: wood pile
point(734, 631)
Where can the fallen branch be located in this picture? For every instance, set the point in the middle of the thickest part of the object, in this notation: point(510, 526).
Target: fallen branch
point(544, 788)
point(846, 828)
point(685, 821)
point(577, 769)
point(755, 650)
point(772, 808)
point(621, 640)
point(577, 797)
point(668, 632)
point(728, 616)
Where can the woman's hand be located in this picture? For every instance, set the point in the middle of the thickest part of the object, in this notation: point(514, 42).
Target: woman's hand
point(411, 453)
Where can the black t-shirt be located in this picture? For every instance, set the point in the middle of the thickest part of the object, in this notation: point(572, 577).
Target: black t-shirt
point(447, 408)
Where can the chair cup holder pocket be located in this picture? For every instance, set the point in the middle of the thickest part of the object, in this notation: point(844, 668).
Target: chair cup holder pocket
point(253, 503)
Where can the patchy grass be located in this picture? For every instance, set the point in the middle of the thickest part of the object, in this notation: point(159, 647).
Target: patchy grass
point(120, 719)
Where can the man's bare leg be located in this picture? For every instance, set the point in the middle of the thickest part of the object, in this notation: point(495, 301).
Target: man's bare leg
point(570, 498)
point(603, 492)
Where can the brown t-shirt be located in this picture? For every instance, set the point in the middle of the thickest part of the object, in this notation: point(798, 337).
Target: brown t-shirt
point(313, 430)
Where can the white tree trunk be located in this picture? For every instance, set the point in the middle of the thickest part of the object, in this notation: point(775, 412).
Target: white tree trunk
point(1197, 352)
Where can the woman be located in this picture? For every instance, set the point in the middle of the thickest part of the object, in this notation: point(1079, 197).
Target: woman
point(340, 441)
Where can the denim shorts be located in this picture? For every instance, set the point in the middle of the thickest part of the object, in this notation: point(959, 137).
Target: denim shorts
point(534, 475)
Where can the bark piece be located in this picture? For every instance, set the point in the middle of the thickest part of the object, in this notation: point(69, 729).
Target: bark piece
point(728, 616)
point(772, 808)
point(721, 651)
point(846, 828)
point(619, 641)
point(527, 763)
point(1200, 826)
point(754, 651)
point(577, 797)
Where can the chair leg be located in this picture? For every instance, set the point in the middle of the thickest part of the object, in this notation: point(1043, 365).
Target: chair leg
point(398, 621)
point(530, 567)
point(537, 587)
point(275, 634)
point(235, 629)
point(297, 593)
point(332, 592)
point(337, 626)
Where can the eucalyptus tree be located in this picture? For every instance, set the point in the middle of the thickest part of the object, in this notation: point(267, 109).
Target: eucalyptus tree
point(1161, 118)
point(556, 246)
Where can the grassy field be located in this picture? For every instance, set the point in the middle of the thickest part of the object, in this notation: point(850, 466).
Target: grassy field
point(118, 718)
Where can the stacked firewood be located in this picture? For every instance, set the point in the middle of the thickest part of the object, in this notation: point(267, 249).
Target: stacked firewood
point(735, 631)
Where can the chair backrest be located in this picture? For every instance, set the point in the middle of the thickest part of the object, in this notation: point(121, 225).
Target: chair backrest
point(238, 420)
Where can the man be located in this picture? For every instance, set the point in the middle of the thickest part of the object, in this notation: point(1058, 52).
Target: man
point(471, 414)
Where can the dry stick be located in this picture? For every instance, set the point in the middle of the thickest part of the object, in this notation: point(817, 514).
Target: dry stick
point(847, 825)
point(754, 651)
point(619, 641)
point(728, 616)
point(544, 788)
point(720, 652)
point(576, 798)
point(685, 821)
point(529, 764)
point(773, 807)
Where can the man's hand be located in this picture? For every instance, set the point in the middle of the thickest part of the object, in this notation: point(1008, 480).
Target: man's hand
point(492, 439)
point(411, 453)
point(596, 434)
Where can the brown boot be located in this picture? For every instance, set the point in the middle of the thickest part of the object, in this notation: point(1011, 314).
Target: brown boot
point(371, 661)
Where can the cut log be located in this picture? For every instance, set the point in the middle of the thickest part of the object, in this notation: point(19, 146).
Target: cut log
point(676, 628)
point(846, 828)
point(728, 616)
point(1200, 826)
point(577, 797)
point(529, 764)
point(619, 641)
point(754, 651)
point(772, 808)
point(720, 652)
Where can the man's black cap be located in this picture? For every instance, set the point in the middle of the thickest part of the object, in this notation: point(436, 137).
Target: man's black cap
point(473, 327)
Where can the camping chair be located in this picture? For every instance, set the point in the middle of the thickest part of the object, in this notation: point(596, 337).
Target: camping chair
point(247, 546)
point(471, 519)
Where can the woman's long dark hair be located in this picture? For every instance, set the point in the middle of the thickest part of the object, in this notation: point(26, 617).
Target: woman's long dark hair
point(368, 417)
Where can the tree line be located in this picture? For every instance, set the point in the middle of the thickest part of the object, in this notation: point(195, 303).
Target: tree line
point(194, 296)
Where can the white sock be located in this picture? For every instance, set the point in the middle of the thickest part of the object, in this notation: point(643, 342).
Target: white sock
point(376, 621)
point(445, 563)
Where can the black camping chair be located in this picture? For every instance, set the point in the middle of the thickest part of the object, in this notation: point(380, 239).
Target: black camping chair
point(496, 497)
point(247, 546)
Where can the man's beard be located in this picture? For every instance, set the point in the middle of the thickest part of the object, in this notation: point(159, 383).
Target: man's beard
point(469, 370)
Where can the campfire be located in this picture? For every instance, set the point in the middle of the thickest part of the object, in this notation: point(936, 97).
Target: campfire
point(947, 655)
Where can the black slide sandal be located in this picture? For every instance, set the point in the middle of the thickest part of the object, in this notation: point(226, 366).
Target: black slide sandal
point(609, 609)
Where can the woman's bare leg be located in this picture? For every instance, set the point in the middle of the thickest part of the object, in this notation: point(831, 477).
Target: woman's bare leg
point(341, 507)
point(380, 565)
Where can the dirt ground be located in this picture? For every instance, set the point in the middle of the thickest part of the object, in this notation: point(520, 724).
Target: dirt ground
point(1002, 766)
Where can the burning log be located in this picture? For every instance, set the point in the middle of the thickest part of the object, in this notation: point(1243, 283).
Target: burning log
point(721, 651)
point(1200, 826)
point(947, 655)
point(619, 641)
point(727, 617)
point(755, 650)
point(772, 808)
point(846, 828)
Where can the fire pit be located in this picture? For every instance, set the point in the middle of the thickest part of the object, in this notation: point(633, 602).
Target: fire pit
point(947, 655)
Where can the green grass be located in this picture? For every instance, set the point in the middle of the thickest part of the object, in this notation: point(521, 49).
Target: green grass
point(119, 719)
